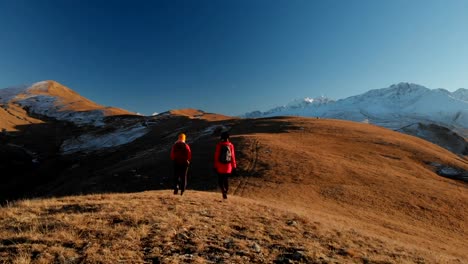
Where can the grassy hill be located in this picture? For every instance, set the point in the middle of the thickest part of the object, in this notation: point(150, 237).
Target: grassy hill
point(199, 227)
point(309, 190)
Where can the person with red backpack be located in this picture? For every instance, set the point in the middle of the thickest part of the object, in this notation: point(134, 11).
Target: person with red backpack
point(224, 162)
point(181, 155)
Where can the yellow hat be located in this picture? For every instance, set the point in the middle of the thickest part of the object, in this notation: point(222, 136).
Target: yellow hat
point(182, 137)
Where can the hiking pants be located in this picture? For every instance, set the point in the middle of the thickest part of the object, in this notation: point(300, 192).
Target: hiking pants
point(180, 176)
point(223, 182)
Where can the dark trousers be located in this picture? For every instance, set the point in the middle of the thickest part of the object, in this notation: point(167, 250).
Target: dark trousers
point(223, 182)
point(180, 176)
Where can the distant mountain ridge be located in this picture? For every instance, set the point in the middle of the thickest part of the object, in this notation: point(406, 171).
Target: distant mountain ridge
point(395, 107)
point(409, 108)
point(54, 100)
point(405, 101)
point(96, 126)
point(296, 105)
point(461, 94)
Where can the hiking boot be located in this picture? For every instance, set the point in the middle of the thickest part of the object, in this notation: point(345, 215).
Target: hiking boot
point(224, 195)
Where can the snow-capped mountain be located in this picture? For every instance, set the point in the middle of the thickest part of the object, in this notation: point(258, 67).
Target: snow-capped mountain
point(392, 107)
point(398, 106)
point(296, 107)
point(461, 94)
point(51, 99)
point(28, 105)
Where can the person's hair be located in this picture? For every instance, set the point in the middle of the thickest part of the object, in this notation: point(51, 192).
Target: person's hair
point(182, 137)
point(225, 135)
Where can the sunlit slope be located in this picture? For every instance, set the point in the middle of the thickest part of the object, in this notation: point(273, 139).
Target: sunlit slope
point(13, 116)
point(26, 105)
point(158, 227)
point(371, 193)
point(198, 114)
point(67, 99)
point(365, 176)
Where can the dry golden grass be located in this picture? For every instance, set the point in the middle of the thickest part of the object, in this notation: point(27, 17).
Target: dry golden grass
point(199, 227)
point(12, 116)
point(309, 190)
point(357, 175)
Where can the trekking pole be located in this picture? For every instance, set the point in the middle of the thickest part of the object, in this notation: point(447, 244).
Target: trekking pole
point(189, 174)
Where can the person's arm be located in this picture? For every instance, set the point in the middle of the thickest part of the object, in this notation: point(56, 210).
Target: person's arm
point(233, 157)
point(189, 153)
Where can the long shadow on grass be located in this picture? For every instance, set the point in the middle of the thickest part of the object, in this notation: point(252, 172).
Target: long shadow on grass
point(141, 165)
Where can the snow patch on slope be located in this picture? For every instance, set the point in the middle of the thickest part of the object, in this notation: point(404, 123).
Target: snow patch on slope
point(94, 141)
point(48, 106)
point(30, 97)
point(8, 94)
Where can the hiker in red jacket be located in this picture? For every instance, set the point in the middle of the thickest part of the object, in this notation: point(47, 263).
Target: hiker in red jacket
point(224, 162)
point(181, 155)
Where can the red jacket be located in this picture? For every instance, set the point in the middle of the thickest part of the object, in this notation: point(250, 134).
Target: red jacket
point(222, 167)
point(179, 157)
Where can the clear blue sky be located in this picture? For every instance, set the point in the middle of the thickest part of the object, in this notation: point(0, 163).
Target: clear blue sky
point(233, 56)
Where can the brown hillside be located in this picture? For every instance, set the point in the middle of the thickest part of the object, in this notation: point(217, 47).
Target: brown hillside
point(354, 178)
point(359, 175)
point(157, 227)
point(12, 115)
point(71, 100)
point(198, 114)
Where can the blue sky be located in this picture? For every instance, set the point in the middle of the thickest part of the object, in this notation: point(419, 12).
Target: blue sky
point(231, 57)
